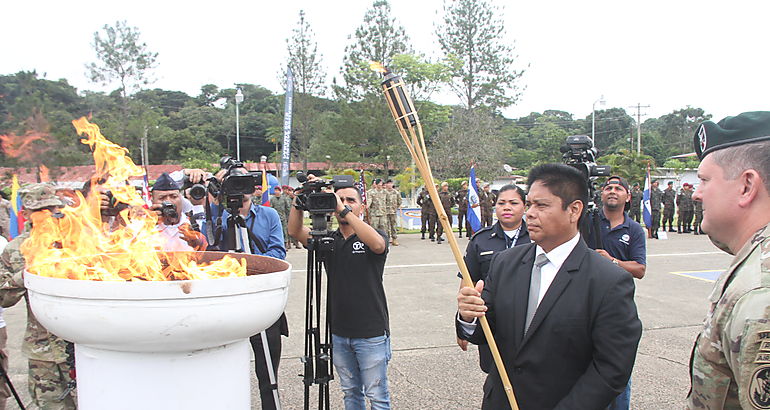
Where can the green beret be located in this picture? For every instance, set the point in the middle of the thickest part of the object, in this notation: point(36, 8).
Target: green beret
point(741, 129)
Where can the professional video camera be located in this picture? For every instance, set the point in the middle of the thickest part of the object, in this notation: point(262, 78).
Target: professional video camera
point(236, 183)
point(578, 151)
point(311, 196)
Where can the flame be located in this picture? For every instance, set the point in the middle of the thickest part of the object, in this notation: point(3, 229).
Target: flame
point(80, 245)
point(377, 66)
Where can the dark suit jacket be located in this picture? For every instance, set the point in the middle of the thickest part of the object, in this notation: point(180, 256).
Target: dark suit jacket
point(581, 345)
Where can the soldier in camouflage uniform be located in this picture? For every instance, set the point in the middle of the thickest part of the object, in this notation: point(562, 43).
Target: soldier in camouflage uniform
point(5, 217)
point(487, 201)
point(669, 197)
point(378, 206)
point(461, 199)
point(426, 210)
point(447, 202)
point(49, 371)
point(656, 196)
point(392, 203)
point(698, 213)
point(282, 204)
point(289, 192)
point(684, 201)
point(730, 363)
point(636, 202)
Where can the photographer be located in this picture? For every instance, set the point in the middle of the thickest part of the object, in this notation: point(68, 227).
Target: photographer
point(172, 223)
point(358, 311)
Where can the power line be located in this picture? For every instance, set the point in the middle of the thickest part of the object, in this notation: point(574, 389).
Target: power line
point(639, 107)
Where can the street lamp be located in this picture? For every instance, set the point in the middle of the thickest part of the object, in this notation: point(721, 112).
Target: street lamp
point(593, 117)
point(238, 100)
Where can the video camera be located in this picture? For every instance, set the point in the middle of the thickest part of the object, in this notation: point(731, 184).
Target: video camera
point(311, 196)
point(579, 152)
point(236, 183)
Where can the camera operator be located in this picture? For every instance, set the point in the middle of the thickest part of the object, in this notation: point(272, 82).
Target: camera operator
point(173, 224)
point(358, 311)
point(621, 241)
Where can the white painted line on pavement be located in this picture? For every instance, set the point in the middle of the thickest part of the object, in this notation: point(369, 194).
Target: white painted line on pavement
point(687, 254)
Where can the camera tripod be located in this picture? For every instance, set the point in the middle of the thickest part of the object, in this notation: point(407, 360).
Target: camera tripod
point(318, 352)
point(7, 381)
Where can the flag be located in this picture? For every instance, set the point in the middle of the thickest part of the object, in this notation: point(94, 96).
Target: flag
point(146, 190)
point(265, 189)
point(473, 214)
point(286, 155)
point(17, 220)
point(646, 209)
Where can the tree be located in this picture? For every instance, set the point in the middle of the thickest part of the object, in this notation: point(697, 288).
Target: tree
point(679, 126)
point(122, 56)
point(473, 31)
point(472, 136)
point(309, 82)
point(628, 164)
point(379, 38)
point(613, 128)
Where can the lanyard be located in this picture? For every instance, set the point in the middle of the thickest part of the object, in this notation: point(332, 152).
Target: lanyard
point(515, 237)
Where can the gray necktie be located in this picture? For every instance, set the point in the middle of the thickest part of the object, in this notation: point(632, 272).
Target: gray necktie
point(534, 289)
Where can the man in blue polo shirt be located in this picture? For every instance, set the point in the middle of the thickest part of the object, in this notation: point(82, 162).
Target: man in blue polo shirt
point(622, 242)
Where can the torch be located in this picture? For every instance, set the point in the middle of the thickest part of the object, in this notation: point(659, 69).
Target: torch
point(408, 124)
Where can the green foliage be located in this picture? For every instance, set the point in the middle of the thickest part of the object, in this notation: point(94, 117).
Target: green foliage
point(681, 164)
point(629, 165)
point(197, 158)
point(122, 57)
point(473, 33)
point(408, 180)
point(456, 183)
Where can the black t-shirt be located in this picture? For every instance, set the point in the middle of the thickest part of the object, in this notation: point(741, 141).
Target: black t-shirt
point(358, 308)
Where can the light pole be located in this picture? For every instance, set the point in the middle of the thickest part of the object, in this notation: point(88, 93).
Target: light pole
point(593, 118)
point(238, 101)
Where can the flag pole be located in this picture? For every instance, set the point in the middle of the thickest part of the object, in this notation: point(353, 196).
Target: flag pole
point(408, 124)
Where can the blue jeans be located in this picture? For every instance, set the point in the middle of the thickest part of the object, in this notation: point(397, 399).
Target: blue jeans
point(362, 365)
point(623, 401)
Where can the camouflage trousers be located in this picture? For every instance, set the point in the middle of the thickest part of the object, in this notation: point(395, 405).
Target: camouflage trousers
point(392, 226)
point(380, 222)
point(47, 382)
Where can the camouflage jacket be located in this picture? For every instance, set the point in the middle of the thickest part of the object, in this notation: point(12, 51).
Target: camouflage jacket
point(669, 196)
point(447, 202)
point(425, 203)
point(461, 199)
point(282, 205)
point(684, 200)
point(730, 364)
point(656, 196)
point(377, 202)
point(487, 201)
point(697, 207)
point(392, 201)
point(5, 218)
point(636, 199)
point(39, 344)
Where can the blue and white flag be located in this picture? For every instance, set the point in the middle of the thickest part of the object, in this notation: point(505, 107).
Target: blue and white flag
point(646, 208)
point(473, 214)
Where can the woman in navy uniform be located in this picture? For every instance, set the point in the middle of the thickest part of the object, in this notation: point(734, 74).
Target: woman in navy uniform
point(509, 230)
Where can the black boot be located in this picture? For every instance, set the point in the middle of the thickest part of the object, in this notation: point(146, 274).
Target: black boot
point(432, 239)
point(439, 240)
point(423, 235)
point(461, 233)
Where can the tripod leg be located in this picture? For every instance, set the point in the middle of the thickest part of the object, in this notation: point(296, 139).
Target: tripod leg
point(270, 370)
point(7, 381)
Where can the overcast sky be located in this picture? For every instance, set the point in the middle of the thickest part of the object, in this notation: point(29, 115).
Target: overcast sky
point(666, 54)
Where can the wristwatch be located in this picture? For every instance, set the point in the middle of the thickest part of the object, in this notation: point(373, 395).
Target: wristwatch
point(615, 261)
point(345, 212)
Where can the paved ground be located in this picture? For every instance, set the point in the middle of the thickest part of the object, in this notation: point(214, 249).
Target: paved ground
point(429, 371)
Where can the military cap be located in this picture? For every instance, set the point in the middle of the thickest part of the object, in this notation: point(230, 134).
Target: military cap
point(671, 182)
point(165, 183)
point(39, 196)
point(377, 181)
point(741, 129)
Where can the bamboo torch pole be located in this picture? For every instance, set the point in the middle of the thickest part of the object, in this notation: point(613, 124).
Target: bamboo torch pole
point(408, 124)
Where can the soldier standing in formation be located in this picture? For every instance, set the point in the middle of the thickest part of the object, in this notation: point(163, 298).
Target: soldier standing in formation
point(282, 204)
point(656, 196)
point(669, 196)
point(730, 363)
point(378, 206)
point(684, 201)
point(698, 213)
point(636, 202)
point(461, 199)
point(393, 202)
point(49, 367)
point(487, 199)
point(447, 202)
point(427, 214)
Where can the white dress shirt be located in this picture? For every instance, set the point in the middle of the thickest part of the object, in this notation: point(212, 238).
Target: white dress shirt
point(548, 272)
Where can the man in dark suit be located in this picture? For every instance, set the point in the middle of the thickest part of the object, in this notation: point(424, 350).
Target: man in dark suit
point(566, 326)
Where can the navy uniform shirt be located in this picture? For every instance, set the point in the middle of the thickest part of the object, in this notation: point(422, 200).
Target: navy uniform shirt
point(625, 242)
point(485, 244)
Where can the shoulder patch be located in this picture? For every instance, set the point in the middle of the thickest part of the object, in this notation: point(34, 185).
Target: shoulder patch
point(480, 231)
point(759, 389)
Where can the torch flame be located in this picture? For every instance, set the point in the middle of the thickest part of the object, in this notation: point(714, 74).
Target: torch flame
point(377, 66)
point(80, 246)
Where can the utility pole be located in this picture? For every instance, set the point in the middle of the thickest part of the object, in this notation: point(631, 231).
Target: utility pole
point(639, 107)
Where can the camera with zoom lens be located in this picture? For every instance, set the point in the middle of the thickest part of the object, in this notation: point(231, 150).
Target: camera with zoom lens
point(579, 152)
point(236, 183)
point(313, 198)
point(168, 211)
point(196, 191)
